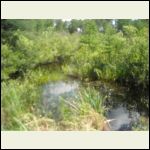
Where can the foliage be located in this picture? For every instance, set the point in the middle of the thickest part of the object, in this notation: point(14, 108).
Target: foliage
point(17, 98)
point(86, 111)
point(118, 56)
point(142, 124)
point(37, 51)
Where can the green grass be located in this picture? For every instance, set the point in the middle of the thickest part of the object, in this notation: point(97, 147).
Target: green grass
point(22, 96)
point(21, 111)
point(142, 124)
point(85, 112)
point(17, 98)
point(42, 76)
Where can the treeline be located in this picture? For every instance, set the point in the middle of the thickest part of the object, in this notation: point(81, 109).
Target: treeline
point(69, 26)
point(107, 49)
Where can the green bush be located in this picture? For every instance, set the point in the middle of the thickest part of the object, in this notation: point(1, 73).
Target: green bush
point(17, 98)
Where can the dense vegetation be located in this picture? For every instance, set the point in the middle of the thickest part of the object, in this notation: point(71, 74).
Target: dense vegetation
point(37, 51)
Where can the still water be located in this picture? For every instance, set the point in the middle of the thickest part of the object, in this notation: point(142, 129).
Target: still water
point(122, 113)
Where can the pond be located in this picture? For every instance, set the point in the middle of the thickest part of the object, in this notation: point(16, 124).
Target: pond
point(122, 113)
point(54, 92)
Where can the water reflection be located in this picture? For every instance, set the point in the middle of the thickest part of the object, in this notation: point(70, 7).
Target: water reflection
point(53, 92)
point(124, 105)
point(60, 87)
point(123, 118)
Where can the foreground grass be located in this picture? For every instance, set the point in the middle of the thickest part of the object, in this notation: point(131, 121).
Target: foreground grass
point(20, 106)
point(86, 112)
point(17, 99)
point(142, 124)
point(21, 96)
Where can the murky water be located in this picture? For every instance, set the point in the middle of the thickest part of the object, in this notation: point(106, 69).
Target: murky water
point(122, 113)
point(125, 106)
point(54, 92)
point(123, 118)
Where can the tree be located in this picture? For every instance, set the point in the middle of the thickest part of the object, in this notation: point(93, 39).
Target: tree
point(74, 24)
point(90, 34)
point(59, 25)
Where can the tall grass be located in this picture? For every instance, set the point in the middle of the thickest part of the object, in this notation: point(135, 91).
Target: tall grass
point(86, 112)
point(20, 109)
point(17, 98)
point(22, 96)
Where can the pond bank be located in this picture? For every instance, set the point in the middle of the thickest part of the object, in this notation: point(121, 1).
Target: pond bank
point(123, 115)
point(47, 99)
